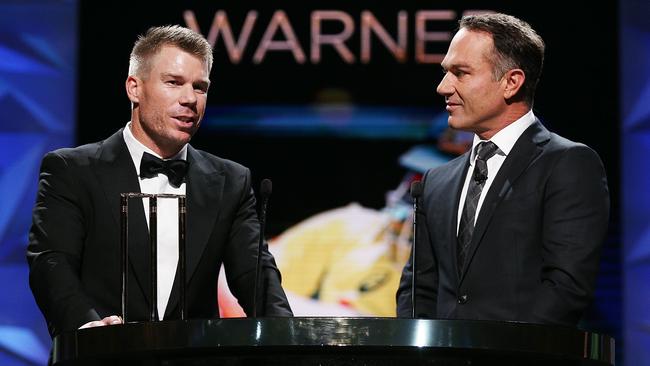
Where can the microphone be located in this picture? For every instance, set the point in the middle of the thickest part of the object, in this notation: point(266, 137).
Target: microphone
point(416, 192)
point(265, 192)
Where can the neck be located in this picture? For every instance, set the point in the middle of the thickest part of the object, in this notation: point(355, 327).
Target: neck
point(510, 115)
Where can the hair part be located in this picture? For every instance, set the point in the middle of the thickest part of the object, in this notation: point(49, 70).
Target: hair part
point(516, 46)
point(149, 44)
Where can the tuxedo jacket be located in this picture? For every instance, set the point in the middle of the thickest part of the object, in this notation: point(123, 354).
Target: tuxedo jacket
point(535, 249)
point(74, 241)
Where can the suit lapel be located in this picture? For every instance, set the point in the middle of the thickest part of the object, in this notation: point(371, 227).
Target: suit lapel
point(116, 175)
point(527, 147)
point(204, 191)
point(456, 187)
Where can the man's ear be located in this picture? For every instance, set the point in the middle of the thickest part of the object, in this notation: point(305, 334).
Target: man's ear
point(133, 88)
point(514, 81)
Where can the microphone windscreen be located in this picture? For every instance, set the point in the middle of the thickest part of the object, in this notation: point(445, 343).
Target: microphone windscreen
point(416, 189)
point(266, 187)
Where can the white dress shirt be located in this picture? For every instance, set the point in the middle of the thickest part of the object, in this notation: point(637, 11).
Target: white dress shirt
point(167, 216)
point(505, 140)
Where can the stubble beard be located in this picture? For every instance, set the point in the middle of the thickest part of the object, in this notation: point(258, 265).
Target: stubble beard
point(162, 135)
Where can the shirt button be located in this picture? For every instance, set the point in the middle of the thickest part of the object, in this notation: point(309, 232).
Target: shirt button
point(462, 299)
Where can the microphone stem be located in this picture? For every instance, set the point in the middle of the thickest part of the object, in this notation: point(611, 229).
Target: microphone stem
point(413, 267)
point(260, 245)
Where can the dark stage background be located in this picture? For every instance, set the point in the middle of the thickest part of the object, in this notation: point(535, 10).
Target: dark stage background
point(315, 169)
point(312, 171)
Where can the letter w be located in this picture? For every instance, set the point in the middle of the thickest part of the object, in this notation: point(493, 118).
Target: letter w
point(220, 25)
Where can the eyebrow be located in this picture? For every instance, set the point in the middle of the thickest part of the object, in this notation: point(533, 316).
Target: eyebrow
point(203, 83)
point(170, 75)
point(456, 66)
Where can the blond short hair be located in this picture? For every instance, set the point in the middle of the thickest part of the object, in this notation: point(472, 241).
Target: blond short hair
point(149, 44)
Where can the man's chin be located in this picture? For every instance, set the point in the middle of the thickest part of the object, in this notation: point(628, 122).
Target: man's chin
point(183, 137)
point(454, 123)
point(177, 141)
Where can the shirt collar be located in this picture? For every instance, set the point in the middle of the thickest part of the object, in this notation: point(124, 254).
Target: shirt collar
point(137, 149)
point(508, 136)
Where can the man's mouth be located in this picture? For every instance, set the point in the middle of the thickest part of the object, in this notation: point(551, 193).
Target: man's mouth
point(451, 106)
point(186, 121)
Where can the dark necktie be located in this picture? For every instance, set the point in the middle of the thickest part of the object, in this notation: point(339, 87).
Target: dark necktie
point(175, 170)
point(484, 151)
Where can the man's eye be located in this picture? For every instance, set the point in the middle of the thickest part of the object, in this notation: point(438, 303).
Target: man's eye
point(171, 82)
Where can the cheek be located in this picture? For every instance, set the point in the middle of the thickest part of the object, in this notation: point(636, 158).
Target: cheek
point(484, 95)
point(165, 98)
point(201, 104)
point(158, 103)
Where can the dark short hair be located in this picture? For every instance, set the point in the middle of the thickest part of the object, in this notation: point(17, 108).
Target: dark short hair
point(516, 46)
point(155, 38)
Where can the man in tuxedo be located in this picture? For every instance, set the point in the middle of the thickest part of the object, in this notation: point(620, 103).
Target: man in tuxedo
point(74, 242)
point(512, 229)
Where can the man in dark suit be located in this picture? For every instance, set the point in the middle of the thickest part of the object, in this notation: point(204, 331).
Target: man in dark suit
point(74, 250)
point(512, 229)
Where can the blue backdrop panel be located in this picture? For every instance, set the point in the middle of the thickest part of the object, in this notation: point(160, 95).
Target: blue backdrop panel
point(635, 143)
point(37, 113)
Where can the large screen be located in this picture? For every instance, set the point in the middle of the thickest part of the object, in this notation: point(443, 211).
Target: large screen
point(336, 103)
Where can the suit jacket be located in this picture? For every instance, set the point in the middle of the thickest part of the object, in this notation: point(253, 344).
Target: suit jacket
point(74, 241)
point(536, 245)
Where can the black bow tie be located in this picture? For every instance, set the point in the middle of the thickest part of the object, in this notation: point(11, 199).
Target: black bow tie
point(175, 170)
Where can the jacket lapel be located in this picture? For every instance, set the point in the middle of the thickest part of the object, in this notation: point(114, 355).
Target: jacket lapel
point(525, 150)
point(456, 187)
point(116, 175)
point(204, 190)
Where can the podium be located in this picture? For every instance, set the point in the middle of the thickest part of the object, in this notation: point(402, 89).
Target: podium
point(332, 342)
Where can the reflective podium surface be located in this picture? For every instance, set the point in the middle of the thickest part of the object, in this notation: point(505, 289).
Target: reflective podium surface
point(332, 341)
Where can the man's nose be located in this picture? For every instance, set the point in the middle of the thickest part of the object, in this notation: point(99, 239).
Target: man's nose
point(188, 95)
point(445, 88)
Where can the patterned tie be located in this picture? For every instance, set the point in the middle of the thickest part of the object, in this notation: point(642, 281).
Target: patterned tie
point(484, 151)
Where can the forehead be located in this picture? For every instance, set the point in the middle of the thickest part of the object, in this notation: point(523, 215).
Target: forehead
point(468, 48)
point(171, 59)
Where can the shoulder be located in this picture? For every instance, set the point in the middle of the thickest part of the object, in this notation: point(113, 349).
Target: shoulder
point(79, 153)
point(214, 162)
point(564, 163)
point(568, 151)
point(83, 155)
point(72, 157)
